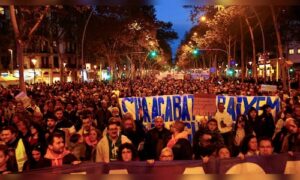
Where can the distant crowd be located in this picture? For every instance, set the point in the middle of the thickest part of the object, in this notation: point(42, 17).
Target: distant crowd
point(68, 123)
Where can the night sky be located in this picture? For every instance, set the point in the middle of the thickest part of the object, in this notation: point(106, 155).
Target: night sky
point(174, 12)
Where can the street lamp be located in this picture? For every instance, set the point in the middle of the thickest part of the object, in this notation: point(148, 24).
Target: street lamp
point(11, 60)
point(203, 18)
point(33, 62)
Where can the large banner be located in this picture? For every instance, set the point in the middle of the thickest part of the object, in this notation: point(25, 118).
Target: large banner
point(275, 164)
point(180, 107)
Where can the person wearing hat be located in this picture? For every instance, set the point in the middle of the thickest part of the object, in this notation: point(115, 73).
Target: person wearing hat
point(266, 123)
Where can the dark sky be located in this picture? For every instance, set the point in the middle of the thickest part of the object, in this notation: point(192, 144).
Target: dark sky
point(174, 12)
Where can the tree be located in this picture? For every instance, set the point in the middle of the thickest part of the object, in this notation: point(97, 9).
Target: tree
point(25, 21)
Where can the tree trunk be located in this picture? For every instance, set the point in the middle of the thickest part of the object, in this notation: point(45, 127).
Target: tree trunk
point(254, 66)
point(280, 50)
point(20, 58)
point(242, 52)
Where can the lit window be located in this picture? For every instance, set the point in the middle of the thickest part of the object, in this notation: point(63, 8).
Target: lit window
point(298, 51)
point(1, 10)
point(291, 51)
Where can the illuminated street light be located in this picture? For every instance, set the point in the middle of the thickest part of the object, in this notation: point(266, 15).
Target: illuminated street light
point(11, 59)
point(203, 18)
point(34, 63)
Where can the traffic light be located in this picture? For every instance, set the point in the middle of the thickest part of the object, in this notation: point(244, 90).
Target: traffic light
point(196, 52)
point(291, 70)
point(153, 54)
point(230, 72)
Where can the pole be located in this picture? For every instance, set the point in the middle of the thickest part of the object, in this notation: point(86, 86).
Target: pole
point(83, 38)
point(34, 74)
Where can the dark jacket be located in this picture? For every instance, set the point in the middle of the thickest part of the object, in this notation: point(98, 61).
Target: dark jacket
point(265, 126)
point(182, 150)
point(31, 164)
point(155, 141)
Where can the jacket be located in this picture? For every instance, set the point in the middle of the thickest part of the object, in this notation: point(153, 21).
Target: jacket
point(102, 149)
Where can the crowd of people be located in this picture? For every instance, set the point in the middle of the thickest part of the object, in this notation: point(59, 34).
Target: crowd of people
point(68, 123)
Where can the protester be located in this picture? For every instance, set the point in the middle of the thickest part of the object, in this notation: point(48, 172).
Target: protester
point(224, 124)
point(57, 152)
point(265, 146)
point(17, 149)
point(36, 160)
point(91, 142)
point(166, 154)
point(6, 165)
point(127, 152)
point(156, 139)
point(107, 148)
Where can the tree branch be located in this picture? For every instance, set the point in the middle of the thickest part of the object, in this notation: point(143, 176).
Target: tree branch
point(38, 21)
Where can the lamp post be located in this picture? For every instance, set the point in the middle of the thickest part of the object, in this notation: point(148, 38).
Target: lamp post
point(11, 60)
point(33, 62)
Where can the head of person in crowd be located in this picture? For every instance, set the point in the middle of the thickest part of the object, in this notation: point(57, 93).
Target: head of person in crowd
point(166, 154)
point(128, 122)
point(249, 145)
point(86, 120)
point(37, 153)
point(4, 160)
point(266, 109)
point(104, 104)
point(19, 107)
point(17, 117)
point(223, 152)
point(23, 127)
point(252, 113)
point(93, 137)
point(56, 144)
point(127, 152)
point(212, 125)
point(51, 121)
point(59, 114)
point(265, 146)
point(159, 123)
point(69, 107)
point(9, 134)
point(241, 122)
point(177, 127)
point(296, 111)
point(292, 125)
point(115, 112)
point(221, 107)
point(113, 129)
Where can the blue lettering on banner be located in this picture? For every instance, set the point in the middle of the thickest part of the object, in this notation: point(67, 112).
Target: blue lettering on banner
point(160, 102)
point(248, 105)
point(274, 104)
point(154, 108)
point(169, 110)
point(145, 110)
point(177, 107)
point(231, 108)
point(185, 110)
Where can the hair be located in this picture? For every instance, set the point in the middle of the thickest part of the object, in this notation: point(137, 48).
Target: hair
point(245, 142)
point(127, 146)
point(99, 134)
point(112, 123)
point(179, 126)
point(54, 135)
point(212, 120)
point(12, 129)
point(166, 149)
point(4, 149)
point(75, 138)
point(266, 139)
point(58, 109)
point(221, 147)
